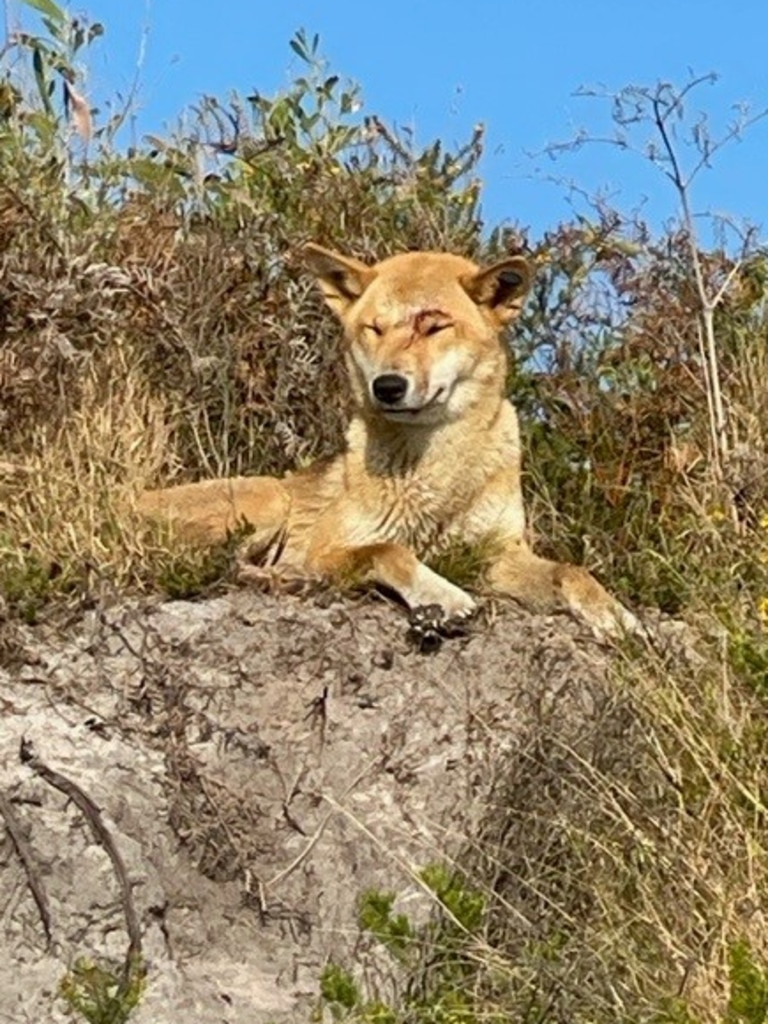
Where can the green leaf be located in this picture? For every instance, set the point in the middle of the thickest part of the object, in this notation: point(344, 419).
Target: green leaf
point(297, 48)
point(42, 83)
point(49, 8)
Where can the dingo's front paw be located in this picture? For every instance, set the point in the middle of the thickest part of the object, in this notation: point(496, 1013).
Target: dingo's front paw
point(429, 625)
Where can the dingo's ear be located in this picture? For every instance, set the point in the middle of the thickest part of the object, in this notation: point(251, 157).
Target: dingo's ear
point(502, 287)
point(341, 278)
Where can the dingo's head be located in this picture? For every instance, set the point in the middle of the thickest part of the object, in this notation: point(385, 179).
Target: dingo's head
point(423, 329)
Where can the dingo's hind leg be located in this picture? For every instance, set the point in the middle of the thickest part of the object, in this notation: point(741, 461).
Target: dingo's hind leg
point(210, 510)
point(548, 586)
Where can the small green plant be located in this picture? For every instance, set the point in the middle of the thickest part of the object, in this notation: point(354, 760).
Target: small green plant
point(674, 1011)
point(103, 994)
point(442, 945)
point(182, 571)
point(339, 990)
point(748, 999)
point(393, 930)
point(749, 657)
point(464, 904)
point(26, 582)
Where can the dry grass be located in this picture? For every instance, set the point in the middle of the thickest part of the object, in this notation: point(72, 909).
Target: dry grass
point(631, 851)
point(68, 527)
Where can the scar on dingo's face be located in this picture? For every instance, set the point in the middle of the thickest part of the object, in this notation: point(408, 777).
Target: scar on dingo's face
point(428, 321)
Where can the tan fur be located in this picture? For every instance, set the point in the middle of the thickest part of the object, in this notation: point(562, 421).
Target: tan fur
point(439, 463)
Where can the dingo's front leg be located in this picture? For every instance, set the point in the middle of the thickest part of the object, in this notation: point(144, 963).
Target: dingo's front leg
point(396, 567)
point(547, 586)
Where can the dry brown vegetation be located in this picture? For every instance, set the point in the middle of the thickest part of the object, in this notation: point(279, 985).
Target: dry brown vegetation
point(155, 326)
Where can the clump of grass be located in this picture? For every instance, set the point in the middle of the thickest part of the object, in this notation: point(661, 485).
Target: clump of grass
point(617, 875)
point(69, 528)
point(68, 517)
point(466, 564)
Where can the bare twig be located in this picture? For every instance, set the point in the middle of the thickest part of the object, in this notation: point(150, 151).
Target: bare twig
point(102, 835)
point(662, 110)
point(27, 860)
point(136, 82)
point(662, 107)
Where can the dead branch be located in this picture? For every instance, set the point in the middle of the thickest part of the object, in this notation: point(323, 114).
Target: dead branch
point(24, 852)
point(101, 834)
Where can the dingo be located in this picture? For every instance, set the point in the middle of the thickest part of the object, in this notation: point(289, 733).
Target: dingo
point(433, 448)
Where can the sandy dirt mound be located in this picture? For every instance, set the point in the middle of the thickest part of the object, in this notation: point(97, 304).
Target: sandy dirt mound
point(258, 762)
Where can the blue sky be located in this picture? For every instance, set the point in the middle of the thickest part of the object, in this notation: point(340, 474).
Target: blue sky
point(441, 67)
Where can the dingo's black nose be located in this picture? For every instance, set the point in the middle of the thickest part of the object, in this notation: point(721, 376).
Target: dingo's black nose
point(390, 388)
